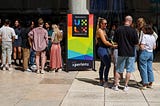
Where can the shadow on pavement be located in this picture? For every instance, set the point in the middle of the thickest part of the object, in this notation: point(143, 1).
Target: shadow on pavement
point(91, 81)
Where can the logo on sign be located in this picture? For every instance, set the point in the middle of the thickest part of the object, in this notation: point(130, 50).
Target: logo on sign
point(80, 26)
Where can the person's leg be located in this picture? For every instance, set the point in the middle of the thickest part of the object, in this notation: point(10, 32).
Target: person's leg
point(143, 67)
point(107, 62)
point(32, 57)
point(101, 70)
point(15, 54)
point(128, 75)
point(3, 54)
point(100, 52)
point(150, 69)
point(9, 53)
point(25, 52)
point(37, 61)
point(130, 67)
point(43, 60)
point(115, 56)
point(116, 78)
point(119, 69)
point(19, 55)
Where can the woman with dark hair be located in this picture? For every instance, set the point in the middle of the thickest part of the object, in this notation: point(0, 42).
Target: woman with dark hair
point(103, 50)
point(50, 31)
point(147, 45)
point(17, 42)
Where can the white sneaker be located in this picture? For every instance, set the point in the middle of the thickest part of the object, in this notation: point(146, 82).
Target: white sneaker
point(7, 67)
point(126, 88)
point(60, 69)
point(28, 70)
point(2, 67)
point(42, 72)
point(38, 71)
point(115, 87)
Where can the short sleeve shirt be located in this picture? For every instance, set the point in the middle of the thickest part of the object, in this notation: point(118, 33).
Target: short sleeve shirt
point(39, 38)
point(127, 38)
point(149, 42)
point(7, 33)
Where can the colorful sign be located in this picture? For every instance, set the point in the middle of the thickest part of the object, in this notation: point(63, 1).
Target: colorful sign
point(80, 26)
point(80, 42)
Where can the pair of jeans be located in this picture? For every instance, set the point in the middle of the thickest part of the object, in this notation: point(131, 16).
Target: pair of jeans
point(105, 65)
point(32, 57)
point(145, 64)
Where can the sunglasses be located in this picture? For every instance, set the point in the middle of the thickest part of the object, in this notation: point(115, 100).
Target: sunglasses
point(105, 23)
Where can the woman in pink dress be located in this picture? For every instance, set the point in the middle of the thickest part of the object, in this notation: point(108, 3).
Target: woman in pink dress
point(55, 55)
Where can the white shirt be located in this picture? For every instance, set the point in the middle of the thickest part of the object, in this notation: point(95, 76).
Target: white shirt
point(6, 33)
point(149, 42)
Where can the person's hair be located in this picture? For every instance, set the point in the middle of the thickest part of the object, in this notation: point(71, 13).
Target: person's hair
point(40, 21)
point(7, 22)
point(128, 18)
point(141, 22)
point(29, 23)
point(99, 22)
point(50, 25)
point(57, 32)
point(148, 29)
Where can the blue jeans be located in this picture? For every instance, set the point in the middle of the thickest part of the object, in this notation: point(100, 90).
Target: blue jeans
point(32, 57)
point(145, 64)
point(104, 55)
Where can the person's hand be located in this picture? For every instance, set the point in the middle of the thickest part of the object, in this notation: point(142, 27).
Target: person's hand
point(114, 46)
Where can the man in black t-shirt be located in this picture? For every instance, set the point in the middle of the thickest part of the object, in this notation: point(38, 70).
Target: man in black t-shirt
point(126, 38)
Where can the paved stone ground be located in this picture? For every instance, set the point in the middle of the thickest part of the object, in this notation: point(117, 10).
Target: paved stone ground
point(73, 89)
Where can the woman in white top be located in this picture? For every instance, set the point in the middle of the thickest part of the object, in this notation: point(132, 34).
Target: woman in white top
point(147, 45)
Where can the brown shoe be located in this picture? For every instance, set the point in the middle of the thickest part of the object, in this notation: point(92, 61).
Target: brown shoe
point(150, 85)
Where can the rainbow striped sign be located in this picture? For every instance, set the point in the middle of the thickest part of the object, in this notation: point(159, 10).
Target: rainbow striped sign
point(80, 41)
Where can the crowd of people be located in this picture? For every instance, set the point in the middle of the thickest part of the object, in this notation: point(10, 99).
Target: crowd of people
point(125, 45)
point(31, 46)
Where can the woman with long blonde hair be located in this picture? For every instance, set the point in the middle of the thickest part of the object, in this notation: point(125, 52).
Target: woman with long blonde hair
point(103, 51)
point(55, 55)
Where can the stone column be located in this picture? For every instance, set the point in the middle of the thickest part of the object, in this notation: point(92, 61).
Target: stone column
point(79, 6)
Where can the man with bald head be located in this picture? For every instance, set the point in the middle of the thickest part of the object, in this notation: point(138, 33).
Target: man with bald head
point(126, 38)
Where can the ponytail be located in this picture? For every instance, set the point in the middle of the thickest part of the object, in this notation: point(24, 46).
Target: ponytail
point(98, 26)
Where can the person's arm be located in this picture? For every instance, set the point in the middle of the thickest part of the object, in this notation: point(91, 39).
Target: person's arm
point(102, 37)
point(13, 35)
point(155, 35)
point(154, 46)
point(46, 37)
point(52, 38)
point(142, 43)
point(30, 38)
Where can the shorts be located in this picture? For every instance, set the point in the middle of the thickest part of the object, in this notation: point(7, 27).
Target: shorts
point(125, 62)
